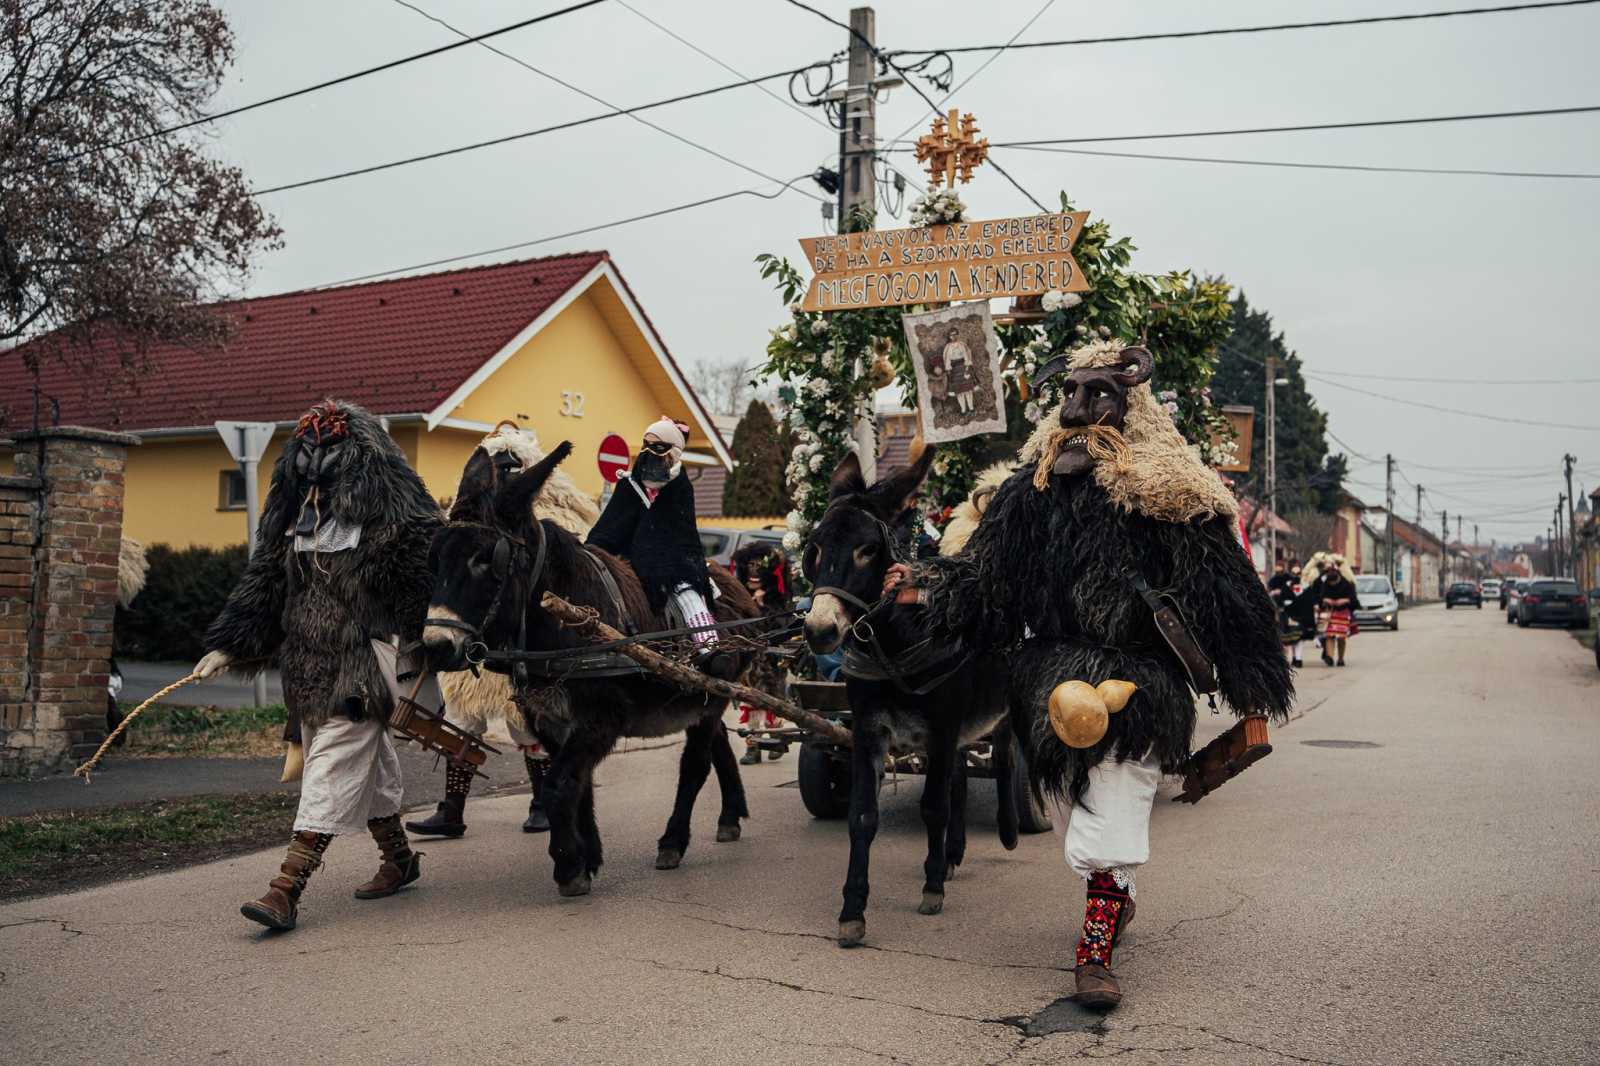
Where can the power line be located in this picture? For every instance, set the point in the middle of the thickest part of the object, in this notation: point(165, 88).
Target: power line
point(1364, 168)
point(1235, 30)
point(341, 80)
point(935, 108)
point(444, 152)
point(559, 236)
point(602, 102)
point(1364, 124)
point(1460, 381)
point(1452, 410)
point(805, 113)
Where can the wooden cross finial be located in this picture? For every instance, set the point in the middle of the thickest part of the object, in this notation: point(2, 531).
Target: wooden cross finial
point(950, 149)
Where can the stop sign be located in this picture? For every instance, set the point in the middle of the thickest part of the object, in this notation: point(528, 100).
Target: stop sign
point(614, 457)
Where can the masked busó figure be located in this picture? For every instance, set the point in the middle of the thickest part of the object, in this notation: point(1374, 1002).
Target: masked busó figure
point(1109, 495)
point(477, 700)
point(340, 562)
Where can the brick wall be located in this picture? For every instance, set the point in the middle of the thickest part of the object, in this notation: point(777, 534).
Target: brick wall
point(60, 531)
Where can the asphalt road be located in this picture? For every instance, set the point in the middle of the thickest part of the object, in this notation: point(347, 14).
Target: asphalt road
point(140, 680)
point(1429, 897)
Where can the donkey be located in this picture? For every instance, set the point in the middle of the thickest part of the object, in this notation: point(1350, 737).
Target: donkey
point(492, 563)
point(905, 696)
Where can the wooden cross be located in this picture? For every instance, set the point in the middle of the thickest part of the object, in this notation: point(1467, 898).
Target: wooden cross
point(950, 149)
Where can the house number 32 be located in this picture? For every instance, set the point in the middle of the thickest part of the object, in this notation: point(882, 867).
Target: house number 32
point(572, 404)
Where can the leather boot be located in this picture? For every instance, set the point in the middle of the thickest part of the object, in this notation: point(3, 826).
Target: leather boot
point(1108, 910)
point(446, 820)
point(752, 756)
point(400, 865)
point(537, 821)
point(279, 908)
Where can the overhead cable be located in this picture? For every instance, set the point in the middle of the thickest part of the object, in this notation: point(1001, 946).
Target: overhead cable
point(1366, 168)
point(602, 102)
point(1237, 30)
point(328, 84)
point(1451, 410)
point(525, 134)
point(559, 236)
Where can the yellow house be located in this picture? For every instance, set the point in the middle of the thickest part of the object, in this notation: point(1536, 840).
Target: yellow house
point(558, 345)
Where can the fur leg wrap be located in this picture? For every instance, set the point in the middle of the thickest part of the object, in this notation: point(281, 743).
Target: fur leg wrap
point(1102, 919)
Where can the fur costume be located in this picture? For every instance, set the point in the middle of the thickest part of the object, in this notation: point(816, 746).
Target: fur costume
point(315, 611)
point(133, 566)
point(474, 702)
point(1042, 577)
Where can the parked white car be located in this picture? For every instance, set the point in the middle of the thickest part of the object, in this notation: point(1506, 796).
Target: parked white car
point(1376, 603)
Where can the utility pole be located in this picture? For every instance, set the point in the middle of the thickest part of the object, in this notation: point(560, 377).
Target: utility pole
point(857, 185)
point(1572, 518)
point(1560, 548)
point(1444, 551)
point(1272, 463)
point(1477, 560)
point(1388, 510)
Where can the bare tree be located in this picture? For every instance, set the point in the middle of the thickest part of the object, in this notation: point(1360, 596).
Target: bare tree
point(725, 388)
point(112, 222)
point(1313, 532)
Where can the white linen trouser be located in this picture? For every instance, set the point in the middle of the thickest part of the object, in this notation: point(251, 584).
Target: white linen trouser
point(352, 775)
point(692, 606)
point(1111, 831)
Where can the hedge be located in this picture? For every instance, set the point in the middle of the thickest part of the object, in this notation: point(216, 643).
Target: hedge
point(184, 591)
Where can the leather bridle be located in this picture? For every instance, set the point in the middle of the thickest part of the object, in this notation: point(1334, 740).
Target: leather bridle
point(509, 558)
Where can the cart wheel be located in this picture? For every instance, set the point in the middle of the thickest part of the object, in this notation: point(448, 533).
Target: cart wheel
point(1032, 815)
point(824, 783)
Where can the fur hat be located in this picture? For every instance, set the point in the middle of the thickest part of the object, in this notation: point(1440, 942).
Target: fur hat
point(1163, 478)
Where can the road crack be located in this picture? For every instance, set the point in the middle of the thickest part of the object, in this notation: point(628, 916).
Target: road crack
point(65, 928)
point(719, 972)
point(800, 935)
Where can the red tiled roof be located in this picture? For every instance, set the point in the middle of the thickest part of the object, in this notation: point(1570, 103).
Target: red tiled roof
point(400, 346)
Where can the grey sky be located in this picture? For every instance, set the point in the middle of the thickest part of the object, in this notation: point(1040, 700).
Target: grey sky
point(1409, 275)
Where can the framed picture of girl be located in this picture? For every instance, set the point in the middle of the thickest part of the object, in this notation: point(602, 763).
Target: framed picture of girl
point(957, 359)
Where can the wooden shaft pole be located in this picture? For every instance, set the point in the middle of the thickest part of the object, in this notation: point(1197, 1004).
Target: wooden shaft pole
point(586, 624)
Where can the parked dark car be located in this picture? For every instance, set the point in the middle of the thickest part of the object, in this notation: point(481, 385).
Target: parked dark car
point(1555, 600)
point(1463, 592)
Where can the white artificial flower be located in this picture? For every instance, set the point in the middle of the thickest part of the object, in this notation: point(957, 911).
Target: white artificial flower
point(817, 386)
point(1032, 412)
point(787, 332)
point(1105, 331)
point(792, 541)
point(1172, 407)
point(815, 464)
point(1051, 301)
point(818, 326)
point(793, 520)
point(1167, 394)
point(1070, 300)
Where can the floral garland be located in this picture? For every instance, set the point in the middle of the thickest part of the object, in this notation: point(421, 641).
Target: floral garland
point(830, 364)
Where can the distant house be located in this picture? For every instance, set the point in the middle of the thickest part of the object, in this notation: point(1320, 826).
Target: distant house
point(559, 345)
point(1419, 558)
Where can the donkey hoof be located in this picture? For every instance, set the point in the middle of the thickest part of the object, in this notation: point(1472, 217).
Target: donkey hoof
point(727, 834)
point(932, 903)
point(578, 886)
point(852, 933)
point(668, 859)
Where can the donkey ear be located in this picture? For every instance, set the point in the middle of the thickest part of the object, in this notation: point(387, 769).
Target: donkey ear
point(515, 498)
point(847, 478)
point(475, 493)
point(894, 493)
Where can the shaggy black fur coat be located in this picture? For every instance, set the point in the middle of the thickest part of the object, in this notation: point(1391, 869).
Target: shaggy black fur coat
point(1041, 580)
point(661, 541)
point(316, 613)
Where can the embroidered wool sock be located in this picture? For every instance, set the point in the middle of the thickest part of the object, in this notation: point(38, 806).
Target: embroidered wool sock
point(457, 780)
point(1102, 918)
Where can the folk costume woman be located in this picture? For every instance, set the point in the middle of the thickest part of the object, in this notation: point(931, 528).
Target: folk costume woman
point(1336, 595)
point(960, 381)
point(474, 701)
point(341, 561)
point(1297, 606)
point(650, 523)
point(1111, 499)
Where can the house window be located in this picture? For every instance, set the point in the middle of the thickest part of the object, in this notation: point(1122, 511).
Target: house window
point(230, 495)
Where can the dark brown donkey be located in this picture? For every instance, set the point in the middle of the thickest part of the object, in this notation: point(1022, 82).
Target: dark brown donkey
point(906, 695)
point(492, 563)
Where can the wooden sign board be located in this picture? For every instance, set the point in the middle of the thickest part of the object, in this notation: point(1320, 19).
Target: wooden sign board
point(1243, 421)
point(945, 262)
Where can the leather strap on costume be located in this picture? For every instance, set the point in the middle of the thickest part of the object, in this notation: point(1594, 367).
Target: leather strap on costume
point(1173, 629)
